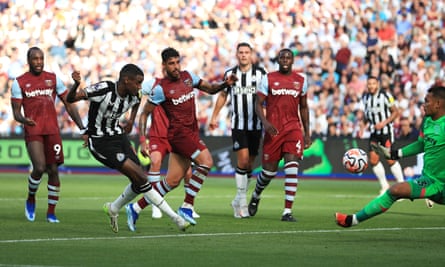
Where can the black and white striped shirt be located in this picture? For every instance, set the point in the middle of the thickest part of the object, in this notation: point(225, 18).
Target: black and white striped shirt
point(106, 108)
point(242, 97)
point(377, 109)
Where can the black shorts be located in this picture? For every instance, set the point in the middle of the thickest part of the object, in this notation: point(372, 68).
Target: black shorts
point(247, 139)
point(112, 151)
point(385, 140)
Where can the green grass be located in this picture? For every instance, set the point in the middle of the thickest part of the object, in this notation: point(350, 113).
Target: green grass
point(407, 235)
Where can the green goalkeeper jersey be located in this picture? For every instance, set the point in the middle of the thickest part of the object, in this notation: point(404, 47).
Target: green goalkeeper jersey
point(432, 142)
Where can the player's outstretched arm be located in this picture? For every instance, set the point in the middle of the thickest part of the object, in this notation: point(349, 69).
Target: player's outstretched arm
point(74, 95)
point(213, 88)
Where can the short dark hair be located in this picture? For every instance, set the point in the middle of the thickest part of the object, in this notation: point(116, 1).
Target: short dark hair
point(130, 70)
point(168, 53)
point(437, 91)
point(31, 50)
point(243, 44)
point(285, 50)
point(370, 77)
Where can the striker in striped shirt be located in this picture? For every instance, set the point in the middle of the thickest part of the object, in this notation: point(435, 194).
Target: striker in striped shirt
point(106, 108)
point(379, 107)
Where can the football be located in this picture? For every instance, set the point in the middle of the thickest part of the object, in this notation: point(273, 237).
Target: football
point(355, 160)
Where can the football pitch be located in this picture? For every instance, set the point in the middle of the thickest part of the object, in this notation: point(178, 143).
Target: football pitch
point(409, 234)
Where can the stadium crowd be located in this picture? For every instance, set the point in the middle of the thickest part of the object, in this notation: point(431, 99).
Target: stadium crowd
point(337, 43)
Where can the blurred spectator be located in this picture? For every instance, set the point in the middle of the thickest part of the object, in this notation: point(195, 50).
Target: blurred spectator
point(406, 130)
point(338, 43)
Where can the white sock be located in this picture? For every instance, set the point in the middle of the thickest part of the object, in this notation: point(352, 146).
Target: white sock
point(286, 210)
point(136, 207)
point(354, 220)
point(241, 186)
point(379, 171)
point(187, 205)
point(124, 198)
point(157, 200)
point(396, 170)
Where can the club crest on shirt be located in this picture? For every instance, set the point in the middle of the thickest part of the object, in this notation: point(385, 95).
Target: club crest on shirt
point(49, 82)
point(153, 146)
point(188, 82)
point(297, 85)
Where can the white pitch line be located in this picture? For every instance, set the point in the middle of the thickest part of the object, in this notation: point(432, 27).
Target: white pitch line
point(219, 234)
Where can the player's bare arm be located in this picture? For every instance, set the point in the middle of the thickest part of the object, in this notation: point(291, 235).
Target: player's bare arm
point(213, 88)
point(18, 116)
point(130, 121)
point(261, 113)
point(220, 101)
point(146, 111)
point(73, 112)
point(74, 95)
point(304, 114)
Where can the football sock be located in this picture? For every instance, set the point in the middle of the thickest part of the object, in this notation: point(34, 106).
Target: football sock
point(156, 199)
point(377, 206)
point(162, 187)
point(33, 186)
point(262, 182)
point(198, 177)
point(154, 177)
point(123, 199)
point(396, 170)
point(241, 183)
point(290, 183)
point(379, 171)
point(53, 197)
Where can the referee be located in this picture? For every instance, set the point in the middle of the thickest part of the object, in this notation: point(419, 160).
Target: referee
point(380, 111)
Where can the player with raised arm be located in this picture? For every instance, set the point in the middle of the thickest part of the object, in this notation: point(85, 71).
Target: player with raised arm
point(176, 95)
point(35, 91)
point(159, 149)
point(108, 141)
point(431, 184)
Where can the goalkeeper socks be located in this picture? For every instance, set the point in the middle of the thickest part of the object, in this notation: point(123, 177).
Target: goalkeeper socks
point(376, 206)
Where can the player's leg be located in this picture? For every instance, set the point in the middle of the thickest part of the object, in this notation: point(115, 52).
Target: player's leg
point(378, 169)
point(291, 166)
point(53, 192)
point(271, 148)
point(140, 184)
point(268, 172)
point(239, 204)
point(36, 154)
point(186, 186)
point(414, 189)
point(54, 157)
point(154, 176)
point(293, 153)
point(203, 160)
point(395, 167)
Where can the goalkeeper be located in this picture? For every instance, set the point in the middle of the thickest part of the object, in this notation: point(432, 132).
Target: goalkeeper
point(431, 184)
